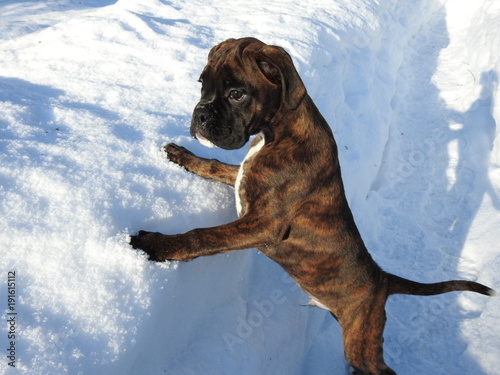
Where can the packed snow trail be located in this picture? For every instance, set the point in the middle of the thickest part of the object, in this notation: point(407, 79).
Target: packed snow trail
point(90, 92)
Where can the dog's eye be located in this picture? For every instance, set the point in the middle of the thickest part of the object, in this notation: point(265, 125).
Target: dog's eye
point(235, 95)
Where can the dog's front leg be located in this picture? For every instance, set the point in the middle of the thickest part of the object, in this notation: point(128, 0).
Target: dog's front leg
point(244, 233)
point(208, 168)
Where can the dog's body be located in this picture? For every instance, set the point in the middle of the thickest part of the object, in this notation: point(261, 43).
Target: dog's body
point(290, 196)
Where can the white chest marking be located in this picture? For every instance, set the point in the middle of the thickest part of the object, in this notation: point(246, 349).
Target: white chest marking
point(315, 302)
point(250, 154)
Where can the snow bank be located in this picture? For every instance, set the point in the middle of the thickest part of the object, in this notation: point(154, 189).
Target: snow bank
point(89, 93)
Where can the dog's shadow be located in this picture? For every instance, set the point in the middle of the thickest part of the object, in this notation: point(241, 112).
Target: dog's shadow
point(436, 177)
point(432, 235)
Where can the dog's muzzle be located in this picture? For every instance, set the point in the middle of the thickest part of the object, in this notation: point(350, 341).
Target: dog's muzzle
point(202, 121)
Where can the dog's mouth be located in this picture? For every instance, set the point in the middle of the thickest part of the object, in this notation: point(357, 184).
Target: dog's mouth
point(204, 141)
point(211, 130)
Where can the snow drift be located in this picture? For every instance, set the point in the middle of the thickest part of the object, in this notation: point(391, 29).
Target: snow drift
point(89, 93)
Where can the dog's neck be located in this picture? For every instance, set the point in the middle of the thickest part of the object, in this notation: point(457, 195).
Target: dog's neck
point(307, 116)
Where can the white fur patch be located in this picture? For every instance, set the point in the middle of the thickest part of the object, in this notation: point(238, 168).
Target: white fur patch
point(315, 302)
point(205, 142)
point(250, 154)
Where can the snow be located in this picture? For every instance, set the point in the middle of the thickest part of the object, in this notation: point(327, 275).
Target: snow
point(91, 90)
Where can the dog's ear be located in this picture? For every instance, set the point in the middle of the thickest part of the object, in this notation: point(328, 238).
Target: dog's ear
point(277, 65)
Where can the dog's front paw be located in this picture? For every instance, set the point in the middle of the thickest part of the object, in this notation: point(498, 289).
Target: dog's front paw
point(150, 243)
point(177, 154)
point(160, 247)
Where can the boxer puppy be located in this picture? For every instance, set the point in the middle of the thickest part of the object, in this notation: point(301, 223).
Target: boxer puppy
point(289, 195)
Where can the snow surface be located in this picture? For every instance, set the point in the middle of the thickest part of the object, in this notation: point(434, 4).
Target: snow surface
point(89, 92)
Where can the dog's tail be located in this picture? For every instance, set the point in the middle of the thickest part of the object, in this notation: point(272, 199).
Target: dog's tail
point(399, 285)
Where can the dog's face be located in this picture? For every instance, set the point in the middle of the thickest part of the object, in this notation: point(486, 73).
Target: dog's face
point(244, 85)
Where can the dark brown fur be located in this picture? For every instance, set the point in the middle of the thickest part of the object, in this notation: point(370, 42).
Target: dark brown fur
point(293, 205)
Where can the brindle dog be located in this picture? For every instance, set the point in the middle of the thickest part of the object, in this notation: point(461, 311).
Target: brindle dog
point(289, 194)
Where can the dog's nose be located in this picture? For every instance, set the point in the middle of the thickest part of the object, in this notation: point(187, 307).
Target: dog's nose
point(203, 114)
point(204, 117)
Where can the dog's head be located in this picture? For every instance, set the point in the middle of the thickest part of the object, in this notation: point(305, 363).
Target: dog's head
point(244, 85)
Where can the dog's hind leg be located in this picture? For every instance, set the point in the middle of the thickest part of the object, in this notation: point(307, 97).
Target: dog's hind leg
point(362, 333)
